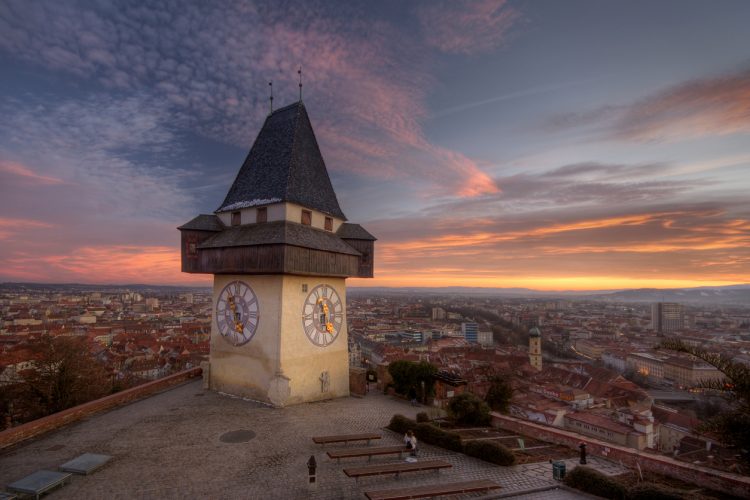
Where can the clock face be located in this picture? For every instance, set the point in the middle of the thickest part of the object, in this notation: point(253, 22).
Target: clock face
point(322, 315)
point(237, 313)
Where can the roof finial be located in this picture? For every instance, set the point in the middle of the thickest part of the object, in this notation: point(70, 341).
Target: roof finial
point(299, 72)
point(270, 84)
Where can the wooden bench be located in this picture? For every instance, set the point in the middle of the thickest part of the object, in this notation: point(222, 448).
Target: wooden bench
point(433, 490)
point(397, 468)
point(345, 438)
point(367, 452)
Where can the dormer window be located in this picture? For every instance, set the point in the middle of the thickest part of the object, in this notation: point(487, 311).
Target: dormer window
point(262, 214)
point(329, 224)
point(236, 218)
point(307, 217)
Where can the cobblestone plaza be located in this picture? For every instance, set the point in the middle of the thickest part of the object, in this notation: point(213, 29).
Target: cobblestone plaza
point(170, 446)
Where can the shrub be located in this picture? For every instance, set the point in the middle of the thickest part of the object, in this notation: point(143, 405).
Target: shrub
point(422, 417)
point(499, 394)
point(652, 491)
point(401, 424)
point(439, 437)
point(410, 378)
point(468, 409)
point(490, 451)
point(594, 482)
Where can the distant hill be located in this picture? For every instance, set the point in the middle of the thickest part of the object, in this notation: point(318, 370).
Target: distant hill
point(722, 295)
point(716, 295)
point(80, 287)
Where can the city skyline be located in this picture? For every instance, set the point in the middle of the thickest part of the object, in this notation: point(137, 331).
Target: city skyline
point(488, 143)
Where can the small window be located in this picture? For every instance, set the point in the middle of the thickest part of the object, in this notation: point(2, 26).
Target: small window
point(307, 217)
point(329, 224)
point(236, 218)
point(262, 215)
point(304, 287)
point(192, 248)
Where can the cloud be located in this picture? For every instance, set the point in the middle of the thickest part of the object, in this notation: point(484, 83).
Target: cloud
point(209, 66)
point(467, 26)
point(714, 106)
point(689, 243)
point(25, 173)
point(120, 264)
point(9, 227)
point(697, 108)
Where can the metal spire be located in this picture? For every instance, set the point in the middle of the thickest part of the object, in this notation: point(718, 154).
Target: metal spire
point(270, 85)
point(299, 72)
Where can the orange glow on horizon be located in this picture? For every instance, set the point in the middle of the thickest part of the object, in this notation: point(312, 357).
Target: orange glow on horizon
point(541, 283)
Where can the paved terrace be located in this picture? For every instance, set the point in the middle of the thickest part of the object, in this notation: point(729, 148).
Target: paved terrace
point(168, 446)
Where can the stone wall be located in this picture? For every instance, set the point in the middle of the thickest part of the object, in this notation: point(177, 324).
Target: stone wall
point(357, 381)
point(39, 426)
point(695, 474)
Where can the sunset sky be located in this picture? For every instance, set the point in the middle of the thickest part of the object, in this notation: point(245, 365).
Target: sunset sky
point(550, 145)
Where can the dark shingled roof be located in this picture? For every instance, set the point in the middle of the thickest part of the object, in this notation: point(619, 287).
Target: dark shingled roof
point(354, 232)
point(278, 233)
point(284, 164)
point(204, 222)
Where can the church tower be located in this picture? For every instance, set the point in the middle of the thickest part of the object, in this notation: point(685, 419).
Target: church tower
point(280, 250)
point(535, 348)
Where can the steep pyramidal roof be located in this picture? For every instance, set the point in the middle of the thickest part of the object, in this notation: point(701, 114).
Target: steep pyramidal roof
point(284, 165)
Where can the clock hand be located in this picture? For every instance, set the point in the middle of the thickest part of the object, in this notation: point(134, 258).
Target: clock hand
point(238, 326)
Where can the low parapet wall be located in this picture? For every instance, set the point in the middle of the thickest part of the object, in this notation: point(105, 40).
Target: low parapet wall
point(39, 426)
point(724, 482)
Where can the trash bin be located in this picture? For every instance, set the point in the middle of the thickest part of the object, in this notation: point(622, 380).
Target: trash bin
point(558, 470)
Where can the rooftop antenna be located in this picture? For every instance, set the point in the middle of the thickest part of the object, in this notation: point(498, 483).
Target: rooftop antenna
point(270, 85)
point(299, 72)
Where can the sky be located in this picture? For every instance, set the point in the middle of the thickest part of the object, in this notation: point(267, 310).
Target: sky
point(549, 145)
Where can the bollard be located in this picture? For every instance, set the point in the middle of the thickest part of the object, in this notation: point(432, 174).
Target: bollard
point(582, 446)
point(312, 478)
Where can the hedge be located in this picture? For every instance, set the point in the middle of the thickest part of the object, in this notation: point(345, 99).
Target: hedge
point(401, 424)
point(652, 491)
point(422, 417)
point(430, 434)
point(490, 451)
point(594, 482)
point(439, 437)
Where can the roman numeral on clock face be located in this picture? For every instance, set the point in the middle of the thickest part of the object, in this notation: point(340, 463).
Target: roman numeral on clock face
point(322, 315)
point(237, 313)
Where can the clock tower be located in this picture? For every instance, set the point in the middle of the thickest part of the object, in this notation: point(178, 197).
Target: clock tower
point(280, 250)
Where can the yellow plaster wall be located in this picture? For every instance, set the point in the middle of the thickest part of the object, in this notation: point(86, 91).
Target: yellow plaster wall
point(304, 362)
point(279, 346)
point(281, 211)
point(294, 214)
point(248, 369)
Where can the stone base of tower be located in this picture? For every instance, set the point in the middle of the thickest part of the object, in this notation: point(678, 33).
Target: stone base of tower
point(280, 365)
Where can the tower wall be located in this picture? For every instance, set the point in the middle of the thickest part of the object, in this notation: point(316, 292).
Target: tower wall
point(248, 370)
point(303, 362)
point(280, 365)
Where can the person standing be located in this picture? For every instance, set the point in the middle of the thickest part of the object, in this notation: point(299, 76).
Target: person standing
point(410, 440)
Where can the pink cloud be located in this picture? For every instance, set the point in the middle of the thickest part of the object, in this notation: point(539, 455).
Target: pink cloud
point(372, 87)
point(696, 108)
point(26, 173)
point(103, 264)
point(467, 26)
point(9, 227)
point(712, 106)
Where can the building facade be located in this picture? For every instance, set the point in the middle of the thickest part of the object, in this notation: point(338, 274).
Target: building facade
point(667, 317)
